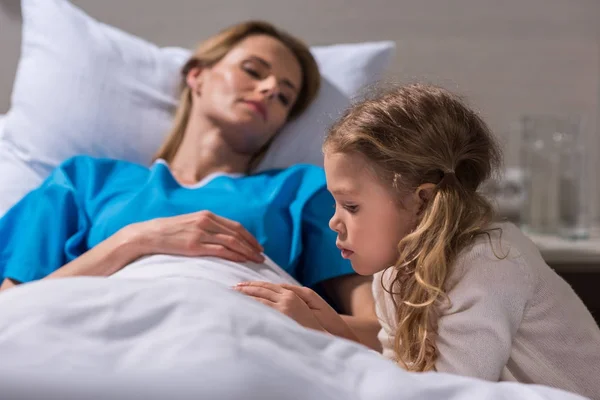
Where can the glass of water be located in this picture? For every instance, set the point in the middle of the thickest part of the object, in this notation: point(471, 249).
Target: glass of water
point(540, 165)
point(553, 163)
point(574, 196)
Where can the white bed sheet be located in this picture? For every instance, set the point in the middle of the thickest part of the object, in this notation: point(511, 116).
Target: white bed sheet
point(171, 327)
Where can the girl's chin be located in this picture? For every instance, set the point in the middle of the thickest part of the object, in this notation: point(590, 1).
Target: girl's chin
point(365, 270)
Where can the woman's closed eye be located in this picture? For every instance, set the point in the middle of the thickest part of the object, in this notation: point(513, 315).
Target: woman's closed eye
point(251, 71)
point(284, 100)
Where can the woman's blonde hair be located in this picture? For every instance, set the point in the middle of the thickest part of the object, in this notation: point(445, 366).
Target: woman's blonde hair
point(212, 50)
point(413, 135)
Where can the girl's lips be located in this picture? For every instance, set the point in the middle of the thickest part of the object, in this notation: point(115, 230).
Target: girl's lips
point(347, 253)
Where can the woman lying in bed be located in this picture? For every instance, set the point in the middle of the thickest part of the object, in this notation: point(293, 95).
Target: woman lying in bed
point(93, 217)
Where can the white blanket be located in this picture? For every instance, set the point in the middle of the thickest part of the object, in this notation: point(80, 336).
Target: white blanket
point(171, 327)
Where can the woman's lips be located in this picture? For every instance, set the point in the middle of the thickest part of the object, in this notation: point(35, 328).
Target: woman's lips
point(258, 107)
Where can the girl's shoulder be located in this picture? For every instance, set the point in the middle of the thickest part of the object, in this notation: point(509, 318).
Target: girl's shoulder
point(502, 250)
point(501, 241)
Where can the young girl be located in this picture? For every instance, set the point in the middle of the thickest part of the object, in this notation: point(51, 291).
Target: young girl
point(455, 292)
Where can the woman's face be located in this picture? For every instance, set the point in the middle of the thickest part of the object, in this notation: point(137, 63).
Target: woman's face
point(249, 93)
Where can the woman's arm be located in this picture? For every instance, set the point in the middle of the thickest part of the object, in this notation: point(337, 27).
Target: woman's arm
point(107, 257)
point(46, 229)
point(196, 234)
point(7, 284)
point(103, 260)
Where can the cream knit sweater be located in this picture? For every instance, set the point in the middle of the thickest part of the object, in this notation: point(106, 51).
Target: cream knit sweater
point(511, 319)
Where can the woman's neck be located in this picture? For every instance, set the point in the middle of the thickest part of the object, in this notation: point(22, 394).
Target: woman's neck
point(202, 152)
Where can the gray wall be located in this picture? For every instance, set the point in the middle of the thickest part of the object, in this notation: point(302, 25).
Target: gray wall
point(509, 57)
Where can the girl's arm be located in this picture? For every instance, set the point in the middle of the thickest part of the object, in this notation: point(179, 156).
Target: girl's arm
point(323, 267)
point(310, 310)
point(354, 296)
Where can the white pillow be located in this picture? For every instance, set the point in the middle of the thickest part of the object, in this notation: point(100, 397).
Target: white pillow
point(83, 87)
point(345, 69)
point(16, 177)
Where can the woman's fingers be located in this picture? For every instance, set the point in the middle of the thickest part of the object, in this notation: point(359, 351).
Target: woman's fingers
point(237, 246)
point(238, 229)
point(214, 231)
point(217, 250)
point(237, 238)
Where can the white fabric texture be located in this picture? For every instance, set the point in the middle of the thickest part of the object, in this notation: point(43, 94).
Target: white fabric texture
point(510, 319)
point(107, 93)
point(16, 177)
point(214, 269)
point(185, 334)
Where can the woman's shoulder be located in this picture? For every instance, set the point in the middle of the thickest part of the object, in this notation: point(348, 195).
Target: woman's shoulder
point(305, 183)
point(304, 170)
point(305, 176)
point(90, 162)
point(83, 167)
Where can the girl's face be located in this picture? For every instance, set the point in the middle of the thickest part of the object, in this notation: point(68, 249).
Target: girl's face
point(370, 218)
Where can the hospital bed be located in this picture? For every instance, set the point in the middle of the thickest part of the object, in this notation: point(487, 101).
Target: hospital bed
point(178, 331)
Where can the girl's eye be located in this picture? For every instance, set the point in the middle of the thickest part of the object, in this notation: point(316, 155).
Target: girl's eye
point(351, 208)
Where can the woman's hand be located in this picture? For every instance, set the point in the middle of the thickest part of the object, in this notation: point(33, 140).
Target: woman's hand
point(197, 234)
point(295, 301)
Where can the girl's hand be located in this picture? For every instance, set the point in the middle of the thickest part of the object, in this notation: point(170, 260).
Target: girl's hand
point(197, 234)
point(282, 299)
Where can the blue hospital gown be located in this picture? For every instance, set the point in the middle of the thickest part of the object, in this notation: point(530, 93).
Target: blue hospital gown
point(86, 200)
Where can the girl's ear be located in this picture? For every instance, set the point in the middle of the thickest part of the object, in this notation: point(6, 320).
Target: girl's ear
point(423, 195)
